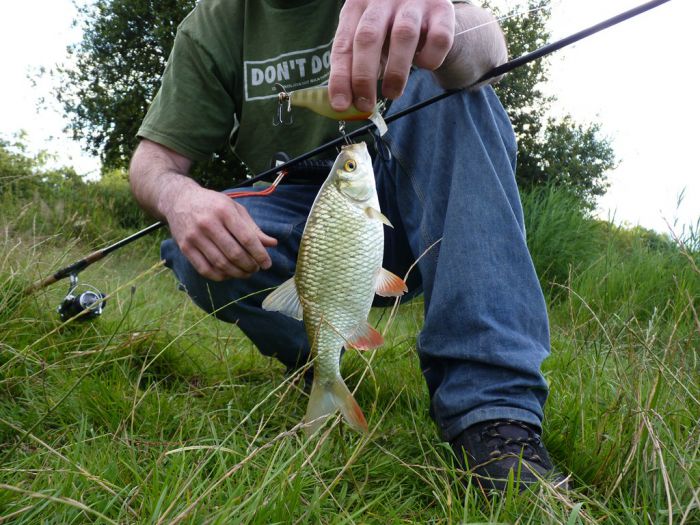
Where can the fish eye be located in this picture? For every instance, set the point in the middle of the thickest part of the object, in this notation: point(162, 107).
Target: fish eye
point(350, 165)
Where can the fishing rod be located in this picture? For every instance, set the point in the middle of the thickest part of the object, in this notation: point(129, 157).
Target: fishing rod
point(77, 267)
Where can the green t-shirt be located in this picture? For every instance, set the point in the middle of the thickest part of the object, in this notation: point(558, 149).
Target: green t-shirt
point(218, 88)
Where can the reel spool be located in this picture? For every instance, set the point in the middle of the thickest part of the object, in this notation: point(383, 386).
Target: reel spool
point(74, 303)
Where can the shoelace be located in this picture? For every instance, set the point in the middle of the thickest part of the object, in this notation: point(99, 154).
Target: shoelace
point(513, 444)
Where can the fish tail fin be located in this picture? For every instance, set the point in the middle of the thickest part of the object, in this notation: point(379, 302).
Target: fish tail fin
point(326, 398)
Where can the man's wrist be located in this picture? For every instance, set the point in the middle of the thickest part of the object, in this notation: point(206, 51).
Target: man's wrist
point(176, 185)
point(479, 46)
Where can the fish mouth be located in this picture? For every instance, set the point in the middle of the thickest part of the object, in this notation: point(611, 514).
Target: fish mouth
point(353, 146)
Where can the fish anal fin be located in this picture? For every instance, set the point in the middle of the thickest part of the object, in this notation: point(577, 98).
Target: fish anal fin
point(365, 337)
point(375, 214)
point(285, 300)
point(389, 284)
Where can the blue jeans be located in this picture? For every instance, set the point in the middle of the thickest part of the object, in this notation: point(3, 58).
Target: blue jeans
point(449, 175)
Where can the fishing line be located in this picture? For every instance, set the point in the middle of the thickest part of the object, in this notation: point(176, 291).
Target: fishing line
point(512, 14)
point(545, 50)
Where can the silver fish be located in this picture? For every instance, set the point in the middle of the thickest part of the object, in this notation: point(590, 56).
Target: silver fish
point(339, 269)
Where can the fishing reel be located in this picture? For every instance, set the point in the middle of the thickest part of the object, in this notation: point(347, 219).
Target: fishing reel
point(91, 301)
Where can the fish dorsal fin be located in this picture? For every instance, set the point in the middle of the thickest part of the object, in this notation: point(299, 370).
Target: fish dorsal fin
point(285, 300)
point(377, 215)
point(389, 284)
point(365, 337)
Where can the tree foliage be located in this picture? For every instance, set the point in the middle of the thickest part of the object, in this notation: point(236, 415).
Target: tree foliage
point(37, 197)
point(115, 75)
point(558, 152)
point(116, 70)
point(117, 67)
point(23, 175)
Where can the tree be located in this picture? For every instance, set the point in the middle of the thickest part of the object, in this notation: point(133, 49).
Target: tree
point(574, 157)
point(125, 45)
point(115, 75)
point(556, 152)
point(116, 71)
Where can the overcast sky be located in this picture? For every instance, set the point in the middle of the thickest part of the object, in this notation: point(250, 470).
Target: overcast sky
point(639, 80)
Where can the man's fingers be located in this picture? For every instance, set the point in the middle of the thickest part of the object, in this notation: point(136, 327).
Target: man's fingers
point(367, 51)
point(439, 35)
point(219, 245)
point(417, 32)
point(250, 237)
point(234, 254)
point(340, 81)
point(201, 264)
point(268, 242)
point(405, 34)
point(231, 261)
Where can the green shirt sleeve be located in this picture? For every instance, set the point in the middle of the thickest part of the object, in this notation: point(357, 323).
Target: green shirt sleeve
point(180, 117)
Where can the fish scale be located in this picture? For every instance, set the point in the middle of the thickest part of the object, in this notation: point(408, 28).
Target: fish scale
point(339, 256)
point(338, 272)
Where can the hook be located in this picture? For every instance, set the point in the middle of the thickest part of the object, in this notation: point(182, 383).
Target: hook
point(283, 98)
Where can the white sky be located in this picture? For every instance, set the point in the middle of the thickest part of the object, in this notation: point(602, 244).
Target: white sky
point(639, 79)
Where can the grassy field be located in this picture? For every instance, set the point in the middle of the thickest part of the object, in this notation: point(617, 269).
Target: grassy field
point(156, 413)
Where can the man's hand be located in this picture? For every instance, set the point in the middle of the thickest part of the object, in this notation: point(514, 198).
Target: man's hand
point(218, 236)
point(385, 37)
point(401, 32)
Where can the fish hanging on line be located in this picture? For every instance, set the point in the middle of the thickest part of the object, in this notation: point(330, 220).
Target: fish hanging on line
point(339, 270)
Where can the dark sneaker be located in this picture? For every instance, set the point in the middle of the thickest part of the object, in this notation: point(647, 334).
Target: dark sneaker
point(490, 450)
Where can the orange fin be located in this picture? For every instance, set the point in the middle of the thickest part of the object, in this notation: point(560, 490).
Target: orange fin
point(365, 337)
point(326, 399)
point(389, 284)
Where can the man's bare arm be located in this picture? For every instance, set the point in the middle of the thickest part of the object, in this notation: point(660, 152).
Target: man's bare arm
point(217, 235)
point(158, 174)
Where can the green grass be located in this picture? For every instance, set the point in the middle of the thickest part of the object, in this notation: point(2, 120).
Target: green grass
point(156, 413)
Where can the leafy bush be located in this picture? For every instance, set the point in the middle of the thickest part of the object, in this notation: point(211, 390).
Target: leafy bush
point(49, 200)
point(560, 233)
point(635, 272)
point(639, 275)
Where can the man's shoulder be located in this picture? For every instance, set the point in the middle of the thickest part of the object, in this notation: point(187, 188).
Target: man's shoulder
point(208, 15)
point(215, 25)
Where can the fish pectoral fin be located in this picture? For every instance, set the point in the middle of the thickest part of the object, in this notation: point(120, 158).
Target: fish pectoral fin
point(365, 337)
point(389, 284)
point(377, 215)
point(325, 399)
point(285, 300)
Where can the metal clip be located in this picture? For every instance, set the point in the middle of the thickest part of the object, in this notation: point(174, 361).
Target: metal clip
point(283, 99)
point(341, 129)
